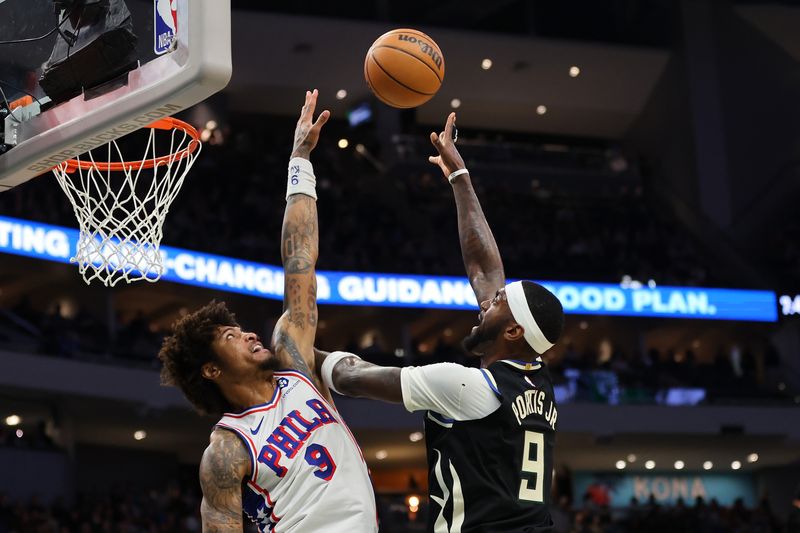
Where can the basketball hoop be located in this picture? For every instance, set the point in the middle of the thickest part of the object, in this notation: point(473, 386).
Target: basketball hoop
point(121, 205)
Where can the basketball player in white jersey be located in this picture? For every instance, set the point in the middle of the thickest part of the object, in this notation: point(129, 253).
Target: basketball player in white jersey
point(281, 453)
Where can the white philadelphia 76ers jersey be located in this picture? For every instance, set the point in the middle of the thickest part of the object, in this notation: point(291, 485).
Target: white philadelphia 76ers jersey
point(308, 474)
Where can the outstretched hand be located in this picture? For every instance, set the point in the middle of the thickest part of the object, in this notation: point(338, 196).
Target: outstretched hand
point(306, 134)
point(449, 160)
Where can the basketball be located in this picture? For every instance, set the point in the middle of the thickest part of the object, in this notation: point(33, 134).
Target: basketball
point(404, 68)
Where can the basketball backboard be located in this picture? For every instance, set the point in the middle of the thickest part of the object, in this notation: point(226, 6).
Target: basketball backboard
point(184, 56)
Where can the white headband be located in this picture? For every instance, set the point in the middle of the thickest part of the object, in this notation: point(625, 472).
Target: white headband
point(522, 314)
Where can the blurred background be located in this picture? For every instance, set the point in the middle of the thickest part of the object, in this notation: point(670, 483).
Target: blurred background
point(618, 148)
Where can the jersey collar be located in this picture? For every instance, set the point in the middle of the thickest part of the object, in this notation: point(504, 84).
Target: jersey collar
point(523, 365)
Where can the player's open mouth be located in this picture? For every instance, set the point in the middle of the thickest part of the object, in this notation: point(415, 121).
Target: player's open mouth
point(256, 348)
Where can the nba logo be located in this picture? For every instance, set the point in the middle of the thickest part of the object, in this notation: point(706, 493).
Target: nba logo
point(165, 25)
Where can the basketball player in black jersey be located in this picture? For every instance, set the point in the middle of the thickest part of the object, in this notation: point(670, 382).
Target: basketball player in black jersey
point(490, 431)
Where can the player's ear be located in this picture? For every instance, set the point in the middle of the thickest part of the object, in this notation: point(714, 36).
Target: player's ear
point(210, 371)
point(514, 332)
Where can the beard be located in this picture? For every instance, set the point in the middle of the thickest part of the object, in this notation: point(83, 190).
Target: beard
point(481, 338)
point(271, 363)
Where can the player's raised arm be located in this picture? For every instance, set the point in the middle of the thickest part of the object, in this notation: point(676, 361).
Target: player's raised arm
point(293, 338)
point(478, 247)
point(224, 466)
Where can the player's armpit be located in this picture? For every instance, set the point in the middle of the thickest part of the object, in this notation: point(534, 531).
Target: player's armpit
point(291, 355)
point(224, 465)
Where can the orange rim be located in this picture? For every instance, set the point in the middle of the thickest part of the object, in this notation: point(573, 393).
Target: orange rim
point(169, 123)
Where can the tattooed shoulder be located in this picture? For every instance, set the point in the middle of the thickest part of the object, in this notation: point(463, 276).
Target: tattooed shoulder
point(223, 468)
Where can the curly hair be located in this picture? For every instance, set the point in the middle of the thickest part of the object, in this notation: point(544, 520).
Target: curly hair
point(184, 353)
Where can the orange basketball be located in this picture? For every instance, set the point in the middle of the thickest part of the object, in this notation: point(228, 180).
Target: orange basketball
point(404, 68)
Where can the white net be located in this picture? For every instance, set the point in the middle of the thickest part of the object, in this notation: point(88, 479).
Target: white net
point(121, 207)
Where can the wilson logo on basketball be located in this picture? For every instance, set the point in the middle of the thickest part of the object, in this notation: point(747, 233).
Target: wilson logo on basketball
point(424, 47)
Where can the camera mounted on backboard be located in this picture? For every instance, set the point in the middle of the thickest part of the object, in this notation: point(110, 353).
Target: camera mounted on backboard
point(96, 44)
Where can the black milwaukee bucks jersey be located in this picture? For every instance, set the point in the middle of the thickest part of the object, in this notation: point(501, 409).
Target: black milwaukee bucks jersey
point(494, 474)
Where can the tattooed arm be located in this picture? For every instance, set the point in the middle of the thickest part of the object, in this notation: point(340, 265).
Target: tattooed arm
point(224, 466)
point(448, 389)
point(478, 247)
point(294, 334)
point(360, 379)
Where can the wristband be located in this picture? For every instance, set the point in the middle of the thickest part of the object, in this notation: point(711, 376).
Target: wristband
point(452, 177)
point(327, 368)
point(301, 178)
